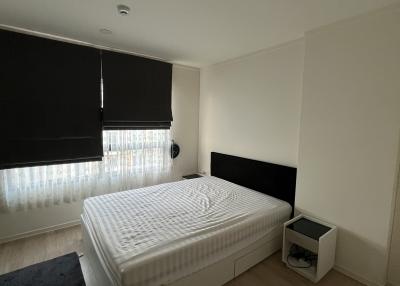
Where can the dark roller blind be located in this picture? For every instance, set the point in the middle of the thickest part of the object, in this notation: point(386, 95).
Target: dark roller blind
point(136, 92)
point(50, 101)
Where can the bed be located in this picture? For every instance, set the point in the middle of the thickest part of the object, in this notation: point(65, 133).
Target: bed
point(198, 231)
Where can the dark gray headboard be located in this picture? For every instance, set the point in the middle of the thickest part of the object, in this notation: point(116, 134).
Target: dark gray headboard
point(272, 179)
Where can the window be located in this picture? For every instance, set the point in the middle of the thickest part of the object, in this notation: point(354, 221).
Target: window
point(132, 158)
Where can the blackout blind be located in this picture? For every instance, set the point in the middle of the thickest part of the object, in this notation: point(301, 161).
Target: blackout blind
point(50, 101)
point(136, 92)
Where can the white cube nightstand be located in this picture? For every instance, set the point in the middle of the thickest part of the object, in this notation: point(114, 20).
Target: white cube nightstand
point(317, 237)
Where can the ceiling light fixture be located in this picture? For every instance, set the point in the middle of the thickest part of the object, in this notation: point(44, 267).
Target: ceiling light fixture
point(105, 31)
point(123, 9)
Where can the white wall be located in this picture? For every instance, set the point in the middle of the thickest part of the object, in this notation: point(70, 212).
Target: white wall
point(185, 109)
point(349, 136)
point(394, 254)
point(250, 106)
point(185, 98)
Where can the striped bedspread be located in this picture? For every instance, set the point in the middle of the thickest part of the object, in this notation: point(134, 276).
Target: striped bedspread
point(159, 234)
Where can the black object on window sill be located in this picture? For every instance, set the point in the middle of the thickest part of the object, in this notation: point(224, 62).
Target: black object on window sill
point(192, 176)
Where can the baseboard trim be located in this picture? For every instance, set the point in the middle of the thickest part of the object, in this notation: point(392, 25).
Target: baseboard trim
point(39, 231)
point(356, 277)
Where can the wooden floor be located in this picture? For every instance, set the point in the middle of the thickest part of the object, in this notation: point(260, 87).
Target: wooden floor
point(24, 252)
point(271, 272)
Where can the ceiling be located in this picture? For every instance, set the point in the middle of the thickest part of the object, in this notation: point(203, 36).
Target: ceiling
point(190, 32)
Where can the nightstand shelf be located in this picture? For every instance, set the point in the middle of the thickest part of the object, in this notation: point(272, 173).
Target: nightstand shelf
point(316, 237)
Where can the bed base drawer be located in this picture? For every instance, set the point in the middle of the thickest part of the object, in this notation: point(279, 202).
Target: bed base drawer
point(256, 256)
point(227, 269)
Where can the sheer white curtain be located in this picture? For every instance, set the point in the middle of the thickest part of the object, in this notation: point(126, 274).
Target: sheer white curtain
point(132, 158)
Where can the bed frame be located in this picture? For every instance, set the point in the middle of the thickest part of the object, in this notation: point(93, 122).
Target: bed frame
point(271, 179)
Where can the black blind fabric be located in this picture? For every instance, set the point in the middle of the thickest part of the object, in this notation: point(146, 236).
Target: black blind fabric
point(50, 101)
point(136, 92)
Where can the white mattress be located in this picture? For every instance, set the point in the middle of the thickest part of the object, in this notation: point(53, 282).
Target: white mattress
point(159, 234)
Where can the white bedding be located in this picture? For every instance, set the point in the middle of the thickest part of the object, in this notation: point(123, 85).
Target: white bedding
point(159, 234)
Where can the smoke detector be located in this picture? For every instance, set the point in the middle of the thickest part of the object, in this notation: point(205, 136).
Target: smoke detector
point(123, 10)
